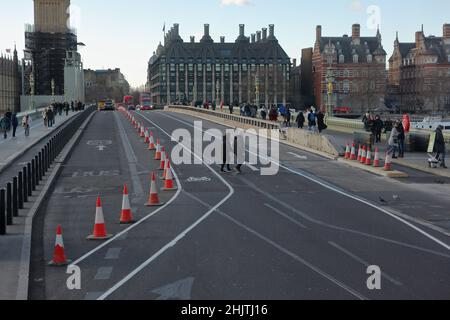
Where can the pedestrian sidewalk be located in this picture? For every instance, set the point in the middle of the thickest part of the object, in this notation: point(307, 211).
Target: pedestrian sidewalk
point(11, 148)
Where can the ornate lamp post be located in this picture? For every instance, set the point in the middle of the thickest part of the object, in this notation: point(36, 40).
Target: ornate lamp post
point(53, 89)
point(217, 93)
point(330, 90)
point(31, 91)
point(257, 91)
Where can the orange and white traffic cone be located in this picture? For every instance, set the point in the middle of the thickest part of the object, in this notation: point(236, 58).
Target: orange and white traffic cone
point(99, 228)
point(388, 164)
point(353, 153)
point(126, 217)
point(363, 154)
point(168, 183)
point(59, 256)
point(347, 152)
point(376, 160)
point(359, 153)
point(369, 156)
point(142, 133)
point(147, 137)
point(162, 164)
point(166, 168)
point(153, 199)
point(158, 151)
point(151, 145)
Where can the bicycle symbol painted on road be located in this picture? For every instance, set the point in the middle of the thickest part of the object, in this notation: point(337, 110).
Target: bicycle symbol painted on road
point(99, 144)
point(202, 179)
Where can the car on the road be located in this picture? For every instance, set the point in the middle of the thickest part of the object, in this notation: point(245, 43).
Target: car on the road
point(147, 108)
point(109, 106)
point(131, 108)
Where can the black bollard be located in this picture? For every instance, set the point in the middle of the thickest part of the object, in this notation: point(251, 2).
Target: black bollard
point(15, 201)
point(20, 191)
point(9, 213)
point(33, 175)
point(2, 212)
point(30, 191)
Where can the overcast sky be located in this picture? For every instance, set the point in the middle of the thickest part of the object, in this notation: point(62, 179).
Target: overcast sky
point(124, 33)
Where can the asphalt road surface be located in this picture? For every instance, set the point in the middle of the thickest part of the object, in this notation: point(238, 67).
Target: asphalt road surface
point(309, 232)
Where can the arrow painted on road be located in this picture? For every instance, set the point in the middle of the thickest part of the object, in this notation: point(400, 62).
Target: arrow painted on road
point(180, 290)
point(101, 148)
point(298, 156)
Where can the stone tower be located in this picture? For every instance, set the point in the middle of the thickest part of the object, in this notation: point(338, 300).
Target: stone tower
point(51, 16)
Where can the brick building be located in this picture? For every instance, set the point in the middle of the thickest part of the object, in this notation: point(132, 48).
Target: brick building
point(227, 72)
point(419, 73)
point(358, 68)
point(10, 83)
point(105, 84)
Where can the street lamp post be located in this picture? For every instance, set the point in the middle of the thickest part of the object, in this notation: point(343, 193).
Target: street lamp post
point(217, 93)
point(53, 90)
point(257, 91)
point(330, 90)
point(31, 91)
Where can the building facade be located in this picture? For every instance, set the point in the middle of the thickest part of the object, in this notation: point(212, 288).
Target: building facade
point(419, 73)
point(105, 84)
point(349, 71)
point(251, 69)
point(47, 42)
point(10, 83)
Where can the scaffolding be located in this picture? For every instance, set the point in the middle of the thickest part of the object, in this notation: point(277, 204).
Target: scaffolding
point(48, 51)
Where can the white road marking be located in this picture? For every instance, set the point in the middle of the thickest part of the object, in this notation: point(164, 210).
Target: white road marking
point(285, 216)
point(92, 295)
point(284, 250)
point(364, 263)
point(180, 290)
point(252, 167)
point(298, 156)
point(181, 235)
point(113, 254)
point(101, 148)
point(103, 273)
point(348, 195)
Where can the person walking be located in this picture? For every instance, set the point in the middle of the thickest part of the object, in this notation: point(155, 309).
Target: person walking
point(4, 125)
point(378, 126)
point(288, 118)
point(401, 140)
point(393, 141)
point(440, 146)
point(321, 121)
point(15, 124)
point(263, 113)
point(26, 121)
point(45, 117)
point(66, 108)
point(312, 124)
point(225, 157)
point(300, 120)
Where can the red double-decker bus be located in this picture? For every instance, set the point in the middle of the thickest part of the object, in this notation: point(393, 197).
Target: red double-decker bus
point(128, 101)
point(145, 100)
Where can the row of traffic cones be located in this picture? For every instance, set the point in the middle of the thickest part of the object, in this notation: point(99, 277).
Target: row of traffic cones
point(364, 156)
point(99, 233)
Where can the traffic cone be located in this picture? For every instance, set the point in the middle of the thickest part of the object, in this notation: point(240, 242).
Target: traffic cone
point(142, 134)
point(59, 256)
point(353, 153)
point(359, 154)
point(126, 216)
point(147, 137)
point(347, 152)
point(151, 145)
point(369, 156)
point(168, 183)
point(153, 199)
point(166, 168)
point(363, 154)
point(387, 164)
point(162, 164)
point(158, 151)
point(99, 228)
point(376, 160)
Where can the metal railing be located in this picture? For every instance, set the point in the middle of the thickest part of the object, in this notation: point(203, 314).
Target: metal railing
point(18, 192)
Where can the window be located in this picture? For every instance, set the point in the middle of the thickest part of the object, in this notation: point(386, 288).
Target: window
point(346, 86)
point(355, 58)
point(369, 58)
point(329, 59)
point(448, 58)
point(342, 58)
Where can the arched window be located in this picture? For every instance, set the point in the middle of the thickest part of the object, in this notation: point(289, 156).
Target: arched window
point(342, 59)
point(355, 58)
point(369, 58)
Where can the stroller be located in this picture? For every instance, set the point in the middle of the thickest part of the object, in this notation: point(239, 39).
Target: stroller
point(433, 162)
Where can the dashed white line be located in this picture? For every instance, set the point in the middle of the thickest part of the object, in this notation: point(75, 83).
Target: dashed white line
point(285, 216)
point(103, 273)
point(113, 254)
point(298, 156)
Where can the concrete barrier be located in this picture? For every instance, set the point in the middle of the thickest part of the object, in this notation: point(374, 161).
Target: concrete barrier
point(312, 142)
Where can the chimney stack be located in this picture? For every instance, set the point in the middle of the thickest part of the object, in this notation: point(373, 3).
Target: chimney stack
point(258, 36)
point(318, 33)
point(253, 38)
point(192, 39)
point(446, 33)
point(241, 30)
point(294, 62)
point(176, 28)
point(356, 31)
point(264, 34)
point(271, 31)
point(206, 32)
point(419, 35)
point(222, 39)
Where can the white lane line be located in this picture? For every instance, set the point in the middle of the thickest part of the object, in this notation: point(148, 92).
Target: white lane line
point(364, 263)
point(285, 216)
point(284, 250)
point(104, 273)
point(181, 235)
point(113, 254)
point(298, 156)
point(252, 167)
point(348, 195)
point(123, 235)
point(92, 295)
